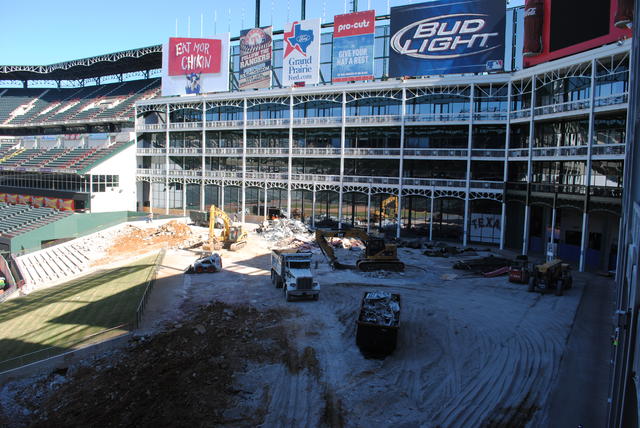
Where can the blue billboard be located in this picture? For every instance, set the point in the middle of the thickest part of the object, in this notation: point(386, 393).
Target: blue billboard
point(445, 37)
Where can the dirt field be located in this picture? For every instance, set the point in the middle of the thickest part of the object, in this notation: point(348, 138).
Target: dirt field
point(226, 349)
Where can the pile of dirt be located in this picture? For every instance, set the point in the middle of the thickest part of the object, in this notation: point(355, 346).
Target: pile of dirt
point(134, 240)
point(184, 375)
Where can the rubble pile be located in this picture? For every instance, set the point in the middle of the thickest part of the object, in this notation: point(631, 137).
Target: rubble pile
point(381, 308)
point(482, 264)
point(347, 243)
point(286, 232)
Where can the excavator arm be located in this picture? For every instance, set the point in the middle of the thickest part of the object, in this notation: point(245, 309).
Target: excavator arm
point(236, 242)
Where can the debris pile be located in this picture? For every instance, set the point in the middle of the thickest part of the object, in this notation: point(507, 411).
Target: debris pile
point(347, 243)
point(381, 308)
point(286, 232)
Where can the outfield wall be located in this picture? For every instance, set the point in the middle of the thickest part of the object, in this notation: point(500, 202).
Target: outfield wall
point(70, 227)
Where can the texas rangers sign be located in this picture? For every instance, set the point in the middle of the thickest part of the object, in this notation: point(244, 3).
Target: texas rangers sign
point(301, 60)
point(444, 37)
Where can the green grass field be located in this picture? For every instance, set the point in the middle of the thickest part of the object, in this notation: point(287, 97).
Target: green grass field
point(60, 318)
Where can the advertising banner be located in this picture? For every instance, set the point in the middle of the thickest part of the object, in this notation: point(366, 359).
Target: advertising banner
point(485, 228)
point(24, 199)
point(444, 37)
point(37, 201)
point(301, 59)
point(51, 202)
point(11, 198)
point(3, 197)
point(65, 204)
point(353, 35)
point(193, 66)
point(255, 58)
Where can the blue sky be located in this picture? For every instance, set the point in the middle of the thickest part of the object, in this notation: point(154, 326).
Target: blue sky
point(39, 32)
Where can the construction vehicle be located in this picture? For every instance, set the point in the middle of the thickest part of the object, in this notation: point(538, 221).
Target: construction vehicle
point(519, 270)
point(551, 275)
point(211, 264)
point(378, 255)
point(377, 324)
point(291, 270)
point(233, 237)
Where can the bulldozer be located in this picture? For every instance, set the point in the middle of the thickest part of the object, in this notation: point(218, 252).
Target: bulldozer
point(233, 236)
point(378, 255)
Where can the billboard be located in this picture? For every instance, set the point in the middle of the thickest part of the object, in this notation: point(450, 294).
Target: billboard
point(255, 58)
point(566, 29)
point(195, 66)
point(353, 35)
point(442, 37)
point(301, 58)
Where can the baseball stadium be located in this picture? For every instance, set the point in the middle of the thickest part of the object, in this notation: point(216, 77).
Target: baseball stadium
point(391, 124)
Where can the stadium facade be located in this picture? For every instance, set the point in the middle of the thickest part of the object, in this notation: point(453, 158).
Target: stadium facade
point(495, 158)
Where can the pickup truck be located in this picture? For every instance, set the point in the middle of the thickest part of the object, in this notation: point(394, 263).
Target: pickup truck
point(291, 270)
point(378, 323)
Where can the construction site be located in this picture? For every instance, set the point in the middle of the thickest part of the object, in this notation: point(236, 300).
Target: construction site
point(334, 328)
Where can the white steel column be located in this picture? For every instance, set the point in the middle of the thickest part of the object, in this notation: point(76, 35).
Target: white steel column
point(369, 210)
point(166, 165)
point(184, 197)
point(400, 174)
point(90, 192)
point(554, 211)
point(244, 156)
point(527, 207)
point(290, 159)
point(150, 196)
point(505, 174)
point(221, 196)
point(266, 211)
point(465, 227)
point(585, 214)
point(313, 206)
point(433, 198)
point(203, 145)
point(342, 141)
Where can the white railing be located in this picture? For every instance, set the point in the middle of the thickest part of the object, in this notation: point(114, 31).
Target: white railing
point(437, 117)
point(185, 151)
point(150, 171)
point(434, 182)
point(519, 114)
point(185, 125)
point(562, 107)
point(223, 174)
point(185, 173)
point(394, 181)
point(559, 151)
point(267, 151)
point(224, 124)
point(152, 127)
point(315, 151)
point(382, 119)
point(490, 115)
point(319, 178)
point(150, 151)
point(610, 100)
point(435, 153)
point(518, 153)
point(255, 175)
point(317, 121)
point(484, 184)
point(371, 152)
point(237, 151)
point(267, 122)
point(608, 150)
point(487, 153)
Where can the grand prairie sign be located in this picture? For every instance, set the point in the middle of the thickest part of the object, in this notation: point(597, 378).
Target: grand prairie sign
point(442, 37)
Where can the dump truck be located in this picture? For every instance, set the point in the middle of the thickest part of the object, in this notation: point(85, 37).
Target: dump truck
point(291, 271)
point(378, 323)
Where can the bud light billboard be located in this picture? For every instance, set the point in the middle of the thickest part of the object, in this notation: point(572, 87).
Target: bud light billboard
point(444, 37)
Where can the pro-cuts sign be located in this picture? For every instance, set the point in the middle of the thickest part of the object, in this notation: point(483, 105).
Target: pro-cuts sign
point(444, 37)
point(194, 66)
point(301, 58)
point(353, 35)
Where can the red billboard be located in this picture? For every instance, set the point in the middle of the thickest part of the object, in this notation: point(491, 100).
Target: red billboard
point(569, 27)
point(189, 55)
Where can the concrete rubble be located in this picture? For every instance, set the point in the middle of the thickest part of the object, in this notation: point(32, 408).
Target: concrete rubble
point(381, 308)
point(286, 232)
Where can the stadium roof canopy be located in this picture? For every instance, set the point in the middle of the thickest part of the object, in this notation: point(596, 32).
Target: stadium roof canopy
point(133, 60)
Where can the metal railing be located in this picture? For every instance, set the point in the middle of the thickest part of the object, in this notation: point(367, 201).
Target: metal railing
point(267, 151)
point(185, 151)
point(437, 117)
point(331, 120)
point(267, 122)
point(436, 152)
point(381, 119)
point(224, 124)
point(185, 125)
point(148, 288)
point(223, 151)
point(371, 152)
point(315, 151)
point(562, 107)
point(152, 127)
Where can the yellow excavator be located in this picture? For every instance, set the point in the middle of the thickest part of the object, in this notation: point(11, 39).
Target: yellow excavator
point(378, 255)
point(233, 237)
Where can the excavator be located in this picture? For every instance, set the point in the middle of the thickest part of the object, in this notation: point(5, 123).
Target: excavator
point(233, 237)
point(378, 255)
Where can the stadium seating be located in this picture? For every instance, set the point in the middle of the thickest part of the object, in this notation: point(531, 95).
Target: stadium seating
point(34, 106)
point(18, 219)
